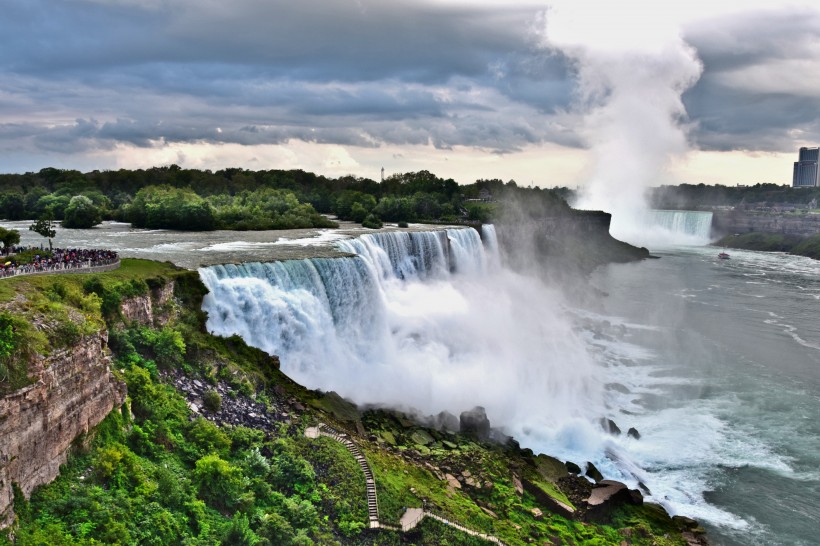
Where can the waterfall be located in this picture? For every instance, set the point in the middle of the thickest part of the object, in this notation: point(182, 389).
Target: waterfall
point(655, 228)
point(423, 320)
point(684, 222)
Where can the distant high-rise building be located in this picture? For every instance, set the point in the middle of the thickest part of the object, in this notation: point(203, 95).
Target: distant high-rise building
point(806, 172)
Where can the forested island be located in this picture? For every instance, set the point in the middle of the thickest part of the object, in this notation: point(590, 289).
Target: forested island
point(237, 199)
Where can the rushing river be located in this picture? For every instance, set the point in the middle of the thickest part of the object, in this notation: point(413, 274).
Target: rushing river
point(715, 362)
point(725, 356)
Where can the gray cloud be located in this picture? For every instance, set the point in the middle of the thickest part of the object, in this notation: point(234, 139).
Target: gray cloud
point(358, 73)
point(84, 75)
point(732, 107)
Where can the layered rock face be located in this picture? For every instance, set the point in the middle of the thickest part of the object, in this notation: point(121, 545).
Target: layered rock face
point(147, 310)
point(73, 392)
point(738, 221)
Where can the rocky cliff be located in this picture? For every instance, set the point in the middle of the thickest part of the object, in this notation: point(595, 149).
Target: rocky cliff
point(73, 391)
point(149, 310)
point(570, 244)
point(727, 222)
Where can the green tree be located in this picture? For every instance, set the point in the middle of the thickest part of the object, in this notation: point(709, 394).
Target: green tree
point(372, 222)
point(9, 237)
point(81, 213)
point(45, 227)
point(171, 208)
point(11, 205)
point(239, 532)
point(220, 483)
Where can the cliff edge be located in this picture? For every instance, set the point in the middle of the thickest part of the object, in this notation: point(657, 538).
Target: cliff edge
point(73, 390)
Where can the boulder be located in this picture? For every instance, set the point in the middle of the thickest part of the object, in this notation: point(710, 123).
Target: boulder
point(452, 481)
point(475, 423)
point(519, 487)
point(421, 437)
point(548, 501)
point(593, 473)
point(446, 421)
point(610, 426)
point(607, 496)
point(572, 468)
point(633, 433)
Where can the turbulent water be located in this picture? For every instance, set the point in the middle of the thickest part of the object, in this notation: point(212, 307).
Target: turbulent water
point(715, 362)
point(427, 321)
point(719, 361)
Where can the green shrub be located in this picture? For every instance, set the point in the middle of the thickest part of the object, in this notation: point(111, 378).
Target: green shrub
point(219, 483)
point(212, 400)
point(372, 222)
point(208, 437)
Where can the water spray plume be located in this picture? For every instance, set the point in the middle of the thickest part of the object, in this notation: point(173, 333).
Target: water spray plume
point(632, 66)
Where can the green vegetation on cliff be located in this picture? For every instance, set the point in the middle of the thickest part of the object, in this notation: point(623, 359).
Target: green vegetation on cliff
point(177, 465)
point(774, 242)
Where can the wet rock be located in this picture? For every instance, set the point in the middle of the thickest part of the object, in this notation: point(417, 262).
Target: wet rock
point(421, 437)
point(633, 433)
point(685, 523)
point(607, 496)
point(452, 481)
point(644, 489)
point(610, 426)
point(475, 423)
point(572, 468)
point(446, 421)
point(519, 488)
point(593, 473)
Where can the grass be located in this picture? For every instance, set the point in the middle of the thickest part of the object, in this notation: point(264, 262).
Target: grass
point(129, 269)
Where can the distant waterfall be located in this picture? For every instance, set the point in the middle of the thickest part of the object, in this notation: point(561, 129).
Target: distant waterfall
point(664, 227)
point(425, 320)
point(685, 222)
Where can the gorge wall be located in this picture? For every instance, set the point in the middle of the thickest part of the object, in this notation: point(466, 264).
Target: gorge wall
point(727, 222)
point(73, 391)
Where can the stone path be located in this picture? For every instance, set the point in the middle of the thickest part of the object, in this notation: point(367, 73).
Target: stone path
point(411, 516)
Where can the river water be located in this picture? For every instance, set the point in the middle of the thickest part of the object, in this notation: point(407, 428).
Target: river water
point(715, 362)
point(721, 360)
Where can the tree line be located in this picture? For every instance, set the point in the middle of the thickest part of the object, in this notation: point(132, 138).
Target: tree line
point(703, 196)
point(171, 197)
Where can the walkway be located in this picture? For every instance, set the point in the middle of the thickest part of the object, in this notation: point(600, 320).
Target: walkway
point(411, 516)
point(56, 271)
point(372, 501)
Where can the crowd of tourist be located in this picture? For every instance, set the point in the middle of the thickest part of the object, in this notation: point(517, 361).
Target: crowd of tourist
point(55, 260)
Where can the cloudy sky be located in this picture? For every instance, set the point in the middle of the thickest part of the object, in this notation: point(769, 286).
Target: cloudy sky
point(556, 93)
